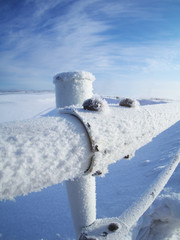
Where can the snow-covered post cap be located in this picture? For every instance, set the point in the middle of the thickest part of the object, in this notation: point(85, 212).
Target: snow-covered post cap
point(69, 76)
point(73, 88)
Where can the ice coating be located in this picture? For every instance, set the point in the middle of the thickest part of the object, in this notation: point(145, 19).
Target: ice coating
point(42, 152)
point(68, 76)
point(73, 88)
point(35, 154)
point(120, 131)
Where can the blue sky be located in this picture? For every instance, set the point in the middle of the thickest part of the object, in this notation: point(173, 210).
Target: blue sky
point(131, 46)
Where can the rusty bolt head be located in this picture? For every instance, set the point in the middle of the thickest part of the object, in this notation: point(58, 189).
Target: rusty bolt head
point(92, 104)
point(127, 102)
point(113, 227)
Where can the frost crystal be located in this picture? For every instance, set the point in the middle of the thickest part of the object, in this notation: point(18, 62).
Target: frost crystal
point(68, 76)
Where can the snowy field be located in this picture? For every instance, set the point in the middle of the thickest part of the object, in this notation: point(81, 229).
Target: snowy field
point(45, 215)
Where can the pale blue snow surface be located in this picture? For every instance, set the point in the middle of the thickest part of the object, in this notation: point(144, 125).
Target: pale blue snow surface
point(45, 215)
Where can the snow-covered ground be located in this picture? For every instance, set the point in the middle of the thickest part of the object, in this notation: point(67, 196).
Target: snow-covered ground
point(45, 215)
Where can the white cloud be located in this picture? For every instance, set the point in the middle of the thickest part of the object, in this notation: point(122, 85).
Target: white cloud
point(80, 37)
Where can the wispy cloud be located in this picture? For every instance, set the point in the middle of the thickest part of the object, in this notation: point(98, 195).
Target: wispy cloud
point(114, 40)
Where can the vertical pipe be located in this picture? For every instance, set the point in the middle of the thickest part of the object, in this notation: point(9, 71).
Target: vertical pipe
point(74, 88)
point(82, 199)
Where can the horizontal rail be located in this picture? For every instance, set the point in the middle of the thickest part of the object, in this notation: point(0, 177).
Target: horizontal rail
point(131, 215)
point(120, 131)
point(38, 153)
point(35, 154)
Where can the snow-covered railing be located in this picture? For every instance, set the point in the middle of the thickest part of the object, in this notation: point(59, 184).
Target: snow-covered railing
point(40, 152)
point(118, 227)
point(117, 132)
point(76, 145)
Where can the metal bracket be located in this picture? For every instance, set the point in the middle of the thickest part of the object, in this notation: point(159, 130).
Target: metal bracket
point(93, 146)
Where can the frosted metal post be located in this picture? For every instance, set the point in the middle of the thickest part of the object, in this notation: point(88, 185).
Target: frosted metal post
point(82, 199)
point(73, 88)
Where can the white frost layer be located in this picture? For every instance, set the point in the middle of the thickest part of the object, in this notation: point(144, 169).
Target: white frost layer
point(39, 153)
point(121, 131)
point(69, 76)
point(73, 88)
point(135, 211)
point(82, 199)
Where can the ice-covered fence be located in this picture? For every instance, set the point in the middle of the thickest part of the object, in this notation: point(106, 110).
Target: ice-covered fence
point(117, 228)
point(78, 144)
point(118, 132)
point(37, 153)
